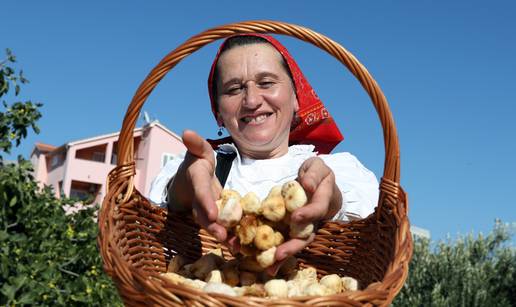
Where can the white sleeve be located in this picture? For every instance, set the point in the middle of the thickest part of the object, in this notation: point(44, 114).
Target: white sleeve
point(358, 185)
point(158, 191)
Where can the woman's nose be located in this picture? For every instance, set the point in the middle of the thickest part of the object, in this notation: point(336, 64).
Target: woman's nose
point(252, 98)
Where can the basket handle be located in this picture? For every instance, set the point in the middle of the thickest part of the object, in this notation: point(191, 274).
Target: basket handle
point(391, 165)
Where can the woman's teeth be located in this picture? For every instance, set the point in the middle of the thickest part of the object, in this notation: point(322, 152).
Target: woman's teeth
point(256, 119)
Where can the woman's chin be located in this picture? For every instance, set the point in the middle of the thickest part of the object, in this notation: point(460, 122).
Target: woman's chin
point(258, 142)
point(263, 139)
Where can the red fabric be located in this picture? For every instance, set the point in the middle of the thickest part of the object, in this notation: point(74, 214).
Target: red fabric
point(313, 125)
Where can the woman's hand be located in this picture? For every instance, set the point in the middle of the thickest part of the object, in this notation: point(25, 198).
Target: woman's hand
point(195, 185)
point(325, 200)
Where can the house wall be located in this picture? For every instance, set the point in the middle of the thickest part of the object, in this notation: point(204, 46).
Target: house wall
point(87, 170)
point(140, 158)
point(54, 176)
point(40, 168)
point(161, 141)
point(150, 144)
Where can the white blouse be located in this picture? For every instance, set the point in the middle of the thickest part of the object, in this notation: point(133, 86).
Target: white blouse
point(358, 185)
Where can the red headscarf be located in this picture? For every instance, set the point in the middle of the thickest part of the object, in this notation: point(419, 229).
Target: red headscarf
point(313, 124)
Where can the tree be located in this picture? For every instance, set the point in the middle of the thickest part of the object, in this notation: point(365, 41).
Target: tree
point(46, 256)
point(50, 258)
point(469, 272)
point(19, 116)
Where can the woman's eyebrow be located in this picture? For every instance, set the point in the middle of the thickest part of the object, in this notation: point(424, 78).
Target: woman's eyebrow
point(266, 74)
point(258, 76)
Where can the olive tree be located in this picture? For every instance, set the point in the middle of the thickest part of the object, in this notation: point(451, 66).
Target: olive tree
point(46, 257)
point(470, 271)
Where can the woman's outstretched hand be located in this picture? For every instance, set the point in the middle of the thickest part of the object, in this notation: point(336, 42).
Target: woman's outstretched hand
point(324, 201)
point(195, 185)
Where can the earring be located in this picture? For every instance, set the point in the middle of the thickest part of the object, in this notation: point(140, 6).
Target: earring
point(219, 133)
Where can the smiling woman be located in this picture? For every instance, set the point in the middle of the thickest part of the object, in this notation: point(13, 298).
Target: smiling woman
point(256, 101)
point(279, 131)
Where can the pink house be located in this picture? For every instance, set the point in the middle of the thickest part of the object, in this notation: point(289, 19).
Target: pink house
point(80, 168)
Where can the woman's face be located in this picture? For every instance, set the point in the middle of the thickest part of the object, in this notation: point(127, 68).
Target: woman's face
point(256, 100)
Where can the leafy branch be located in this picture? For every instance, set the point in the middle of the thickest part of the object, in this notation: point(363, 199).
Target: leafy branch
point(19, 116)
point(47, 258)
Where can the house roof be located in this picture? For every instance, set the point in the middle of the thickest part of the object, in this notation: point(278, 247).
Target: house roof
point(44, 147)
point(136, 131)
point(158, 124)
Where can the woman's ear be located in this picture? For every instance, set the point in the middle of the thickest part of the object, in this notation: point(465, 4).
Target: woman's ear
point(296, 104)
point(220, 122)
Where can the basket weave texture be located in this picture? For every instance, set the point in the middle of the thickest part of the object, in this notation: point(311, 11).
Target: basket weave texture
point(137, 240)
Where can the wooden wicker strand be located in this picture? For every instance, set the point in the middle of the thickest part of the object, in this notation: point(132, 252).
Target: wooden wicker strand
point(137, 239)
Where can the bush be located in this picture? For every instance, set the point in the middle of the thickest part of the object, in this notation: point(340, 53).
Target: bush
point(469, 272)
point(46, 257)
point(50, 258)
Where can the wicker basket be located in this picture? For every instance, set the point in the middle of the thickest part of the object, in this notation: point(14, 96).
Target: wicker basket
point(137, 240)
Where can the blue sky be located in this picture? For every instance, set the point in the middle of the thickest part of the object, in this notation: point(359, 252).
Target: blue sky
point(447, 69)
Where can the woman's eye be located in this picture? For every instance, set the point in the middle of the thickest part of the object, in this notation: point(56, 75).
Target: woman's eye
point(234, 90)
point(265, 84)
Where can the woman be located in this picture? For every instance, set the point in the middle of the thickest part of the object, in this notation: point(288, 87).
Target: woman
point(260, 96)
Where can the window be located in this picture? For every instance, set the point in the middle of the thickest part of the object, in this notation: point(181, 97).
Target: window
point(84, 191)
point(165, 157)
point(114, 158)
point(80, 194)
point(55, 161)
point(60, 188)
point(95, 153)
point(114, 153)
point(98, 156)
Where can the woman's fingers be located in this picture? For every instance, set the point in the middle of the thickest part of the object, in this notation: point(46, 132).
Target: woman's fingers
point(318, 180)
point(273, 269)
point(289, 248)
point(213, 228)
point(233, 244)
point(200, 168)
point(216, 187)
point(200, 178)
point(311, 173)
point(200, 172)
point(318, 206)
point(198, 146)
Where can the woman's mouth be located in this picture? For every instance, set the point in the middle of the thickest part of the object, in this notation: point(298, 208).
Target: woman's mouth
point(255, 119)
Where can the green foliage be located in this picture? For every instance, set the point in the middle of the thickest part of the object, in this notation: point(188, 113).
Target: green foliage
point(469, 272)
point(50, 258)
point(46, 257)
point(18, 117)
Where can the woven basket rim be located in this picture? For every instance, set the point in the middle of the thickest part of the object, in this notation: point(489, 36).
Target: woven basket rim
point(121, 190)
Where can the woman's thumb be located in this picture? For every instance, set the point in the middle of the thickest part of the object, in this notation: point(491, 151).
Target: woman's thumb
point(196, 145)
